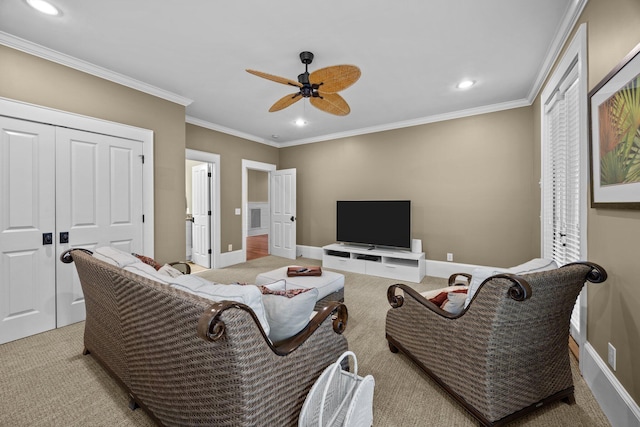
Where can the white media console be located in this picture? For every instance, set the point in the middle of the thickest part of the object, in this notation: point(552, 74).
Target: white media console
point(390, 263)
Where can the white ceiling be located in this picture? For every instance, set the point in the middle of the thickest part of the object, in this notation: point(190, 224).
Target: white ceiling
point(412, 53)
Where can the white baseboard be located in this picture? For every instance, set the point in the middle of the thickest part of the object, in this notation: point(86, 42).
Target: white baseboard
point(615, 401)
point(312, 252)
point(446, 268)
point(231, 258)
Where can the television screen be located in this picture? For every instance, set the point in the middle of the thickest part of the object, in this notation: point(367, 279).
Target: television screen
point(374, 222)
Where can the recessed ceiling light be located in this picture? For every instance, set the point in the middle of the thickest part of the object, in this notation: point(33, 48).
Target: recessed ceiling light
point(300, 122)
point(44, 7)
point(466, 84)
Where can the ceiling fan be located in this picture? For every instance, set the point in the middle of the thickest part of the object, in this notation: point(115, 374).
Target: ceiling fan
point(321, 86)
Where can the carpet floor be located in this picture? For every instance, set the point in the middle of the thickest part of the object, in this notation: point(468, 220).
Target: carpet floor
point(46, 381)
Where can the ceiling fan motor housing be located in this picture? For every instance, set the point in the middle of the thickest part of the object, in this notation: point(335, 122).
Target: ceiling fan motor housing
point(306, 57)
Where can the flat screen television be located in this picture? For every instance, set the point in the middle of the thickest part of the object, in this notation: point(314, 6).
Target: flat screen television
point(385, 223)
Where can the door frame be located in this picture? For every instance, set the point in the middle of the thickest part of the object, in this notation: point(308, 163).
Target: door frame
point(214, 188)
point(36, 113)
point(576, 53)
point(260, 166)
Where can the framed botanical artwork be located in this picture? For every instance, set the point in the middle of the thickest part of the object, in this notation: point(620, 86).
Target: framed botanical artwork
point(615, 136)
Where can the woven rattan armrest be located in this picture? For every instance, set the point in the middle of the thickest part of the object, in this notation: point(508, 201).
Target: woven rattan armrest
point(212, 328)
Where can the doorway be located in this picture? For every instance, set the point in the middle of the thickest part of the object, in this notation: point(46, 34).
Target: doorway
point(282, 208)
point(202, 208)
point(258, 214)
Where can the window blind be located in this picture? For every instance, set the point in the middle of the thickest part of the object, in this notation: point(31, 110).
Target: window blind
point(562, 197)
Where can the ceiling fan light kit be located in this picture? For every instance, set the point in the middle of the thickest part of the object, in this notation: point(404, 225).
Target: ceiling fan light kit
point(321, 86)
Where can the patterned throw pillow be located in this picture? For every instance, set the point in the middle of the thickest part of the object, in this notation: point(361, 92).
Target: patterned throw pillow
point(289, 293)
point(149, 261)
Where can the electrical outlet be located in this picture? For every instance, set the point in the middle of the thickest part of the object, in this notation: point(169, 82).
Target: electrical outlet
point(612, 356)
point(449, 256)
point(230, 247)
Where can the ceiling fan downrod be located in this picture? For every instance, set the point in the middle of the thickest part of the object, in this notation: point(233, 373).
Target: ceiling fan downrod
point(307, 90)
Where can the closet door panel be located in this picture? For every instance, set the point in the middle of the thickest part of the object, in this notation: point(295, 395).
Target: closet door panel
point(27, 261)
point(99, 203)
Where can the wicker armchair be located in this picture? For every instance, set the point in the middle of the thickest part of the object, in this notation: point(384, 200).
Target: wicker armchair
point(506, 353)
point(188, 361)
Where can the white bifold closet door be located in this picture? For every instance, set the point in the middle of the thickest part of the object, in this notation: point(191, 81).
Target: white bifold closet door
point(27, 218)
point(98, 202)
point(60, 188)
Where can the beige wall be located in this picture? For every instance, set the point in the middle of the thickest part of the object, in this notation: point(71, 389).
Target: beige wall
point(258, 186)
point(34, 80)
point(470, 182)
point(232, 151)
point(613, 235)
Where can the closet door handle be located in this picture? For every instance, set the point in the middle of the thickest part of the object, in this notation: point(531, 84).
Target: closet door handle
point(47, 238)
point(64, 237)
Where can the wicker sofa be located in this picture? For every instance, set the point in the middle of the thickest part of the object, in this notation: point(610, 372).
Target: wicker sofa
point(189, 361)
point(506, 353)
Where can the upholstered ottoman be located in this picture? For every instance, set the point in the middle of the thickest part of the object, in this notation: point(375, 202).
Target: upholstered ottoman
point(330, 285)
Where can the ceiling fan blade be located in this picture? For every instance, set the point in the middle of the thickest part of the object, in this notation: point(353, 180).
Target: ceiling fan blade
point(276, 79)
point(336, 78)
point(331, 103)
point(285, 101)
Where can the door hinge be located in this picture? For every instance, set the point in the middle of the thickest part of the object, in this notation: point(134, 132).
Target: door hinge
point(209, 213)
point(209, 174)
point(209, 251)
point(142, 218)
point(142, 158)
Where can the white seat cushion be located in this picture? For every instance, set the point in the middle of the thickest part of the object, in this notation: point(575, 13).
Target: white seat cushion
point(145, 270)
point(328, 283)
point(115, 256)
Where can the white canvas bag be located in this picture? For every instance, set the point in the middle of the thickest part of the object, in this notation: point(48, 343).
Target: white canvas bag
point(339, 398)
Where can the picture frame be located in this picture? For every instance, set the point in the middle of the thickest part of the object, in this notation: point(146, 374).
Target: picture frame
point(614, 146)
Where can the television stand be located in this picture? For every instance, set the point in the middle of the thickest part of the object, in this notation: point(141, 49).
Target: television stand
point(390, 263)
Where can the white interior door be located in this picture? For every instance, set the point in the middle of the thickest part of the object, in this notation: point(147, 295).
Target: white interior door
point(99, 203)
point(200, 198)
point(283, 213)
point(27, 213)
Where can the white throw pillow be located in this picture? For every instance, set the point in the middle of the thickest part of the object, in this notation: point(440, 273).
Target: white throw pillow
point(249, 295)
point(479, 275)
point(168, 270)
point(288, 315)
point(434, 293)
point(455, 302)
point(115, 256)
point(280, 285)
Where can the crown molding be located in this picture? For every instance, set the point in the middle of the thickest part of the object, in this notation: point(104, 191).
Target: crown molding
point(363, 131)
point(414, 122)
point(86, 67)
point(218, 128)
point(570, 20)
